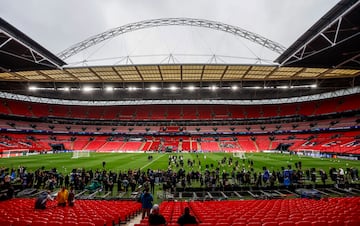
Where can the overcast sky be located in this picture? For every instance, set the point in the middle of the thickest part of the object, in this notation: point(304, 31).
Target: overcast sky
point(58, 24)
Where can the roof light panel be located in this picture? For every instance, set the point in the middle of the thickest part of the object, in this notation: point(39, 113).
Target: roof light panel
point(101, 73)
point(6, 75)
point(262, 68)
point(284, 74)
point(77, 70)
point(102, 69)
point(51, 72)
point(88, 78)
point(111, 77)
point(238, 68)
point(289, 69)
point(192, 67)
point(83, 74)
point(56, 76)
point(37, 77)
point(27, 73)
point(345, 71)
point(125, 68)
point(315, 70)
point(308, 75)
point(254, 76)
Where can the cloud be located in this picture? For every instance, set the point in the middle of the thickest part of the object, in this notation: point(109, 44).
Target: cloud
point(58, 24)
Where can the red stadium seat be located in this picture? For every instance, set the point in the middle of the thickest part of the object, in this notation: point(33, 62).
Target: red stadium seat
point(303, 223)
point(286, 223)
point(99, 222)
point(86, 224)
point(254, 224)
point(319, 223)
point(352, 223)
point(6, 223)
point(22, 223)
point(54, 223)
point(39, 223)
point(270, 224)
point(239, 224)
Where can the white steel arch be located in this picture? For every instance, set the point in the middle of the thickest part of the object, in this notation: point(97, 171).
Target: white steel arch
point(96, 39)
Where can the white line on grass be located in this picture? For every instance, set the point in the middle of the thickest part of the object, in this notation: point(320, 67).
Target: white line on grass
point(151, 162)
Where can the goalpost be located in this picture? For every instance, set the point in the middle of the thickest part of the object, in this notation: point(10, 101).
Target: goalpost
point(14, 153)
point(81, 154)
point(239, 154)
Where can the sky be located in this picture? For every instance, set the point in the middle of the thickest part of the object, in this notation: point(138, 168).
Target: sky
point(59, 24)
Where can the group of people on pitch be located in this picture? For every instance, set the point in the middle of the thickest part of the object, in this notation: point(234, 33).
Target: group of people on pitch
point(153, 211)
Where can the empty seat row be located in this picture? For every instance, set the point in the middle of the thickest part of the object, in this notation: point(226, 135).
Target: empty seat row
point(21, 211)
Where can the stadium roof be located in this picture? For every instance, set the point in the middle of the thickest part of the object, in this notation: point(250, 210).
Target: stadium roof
point(332, 42)
point(178, 73)
point(328, 66)
point(18, 52)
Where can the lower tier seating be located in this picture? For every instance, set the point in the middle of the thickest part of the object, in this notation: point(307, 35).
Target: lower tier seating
point(20, 211)
point(330, 142)
point(327, 211)
point(290, 212)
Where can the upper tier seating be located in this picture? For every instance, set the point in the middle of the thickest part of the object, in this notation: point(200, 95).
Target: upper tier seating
point(186, 112)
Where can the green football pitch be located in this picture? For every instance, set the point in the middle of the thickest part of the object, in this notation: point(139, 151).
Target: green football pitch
point(123, 161)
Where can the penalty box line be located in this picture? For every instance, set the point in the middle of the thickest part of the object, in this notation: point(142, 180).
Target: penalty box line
point(162, 155)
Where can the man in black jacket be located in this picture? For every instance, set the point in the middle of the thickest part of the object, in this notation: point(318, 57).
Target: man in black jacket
point(155, 217)
point(186, 218)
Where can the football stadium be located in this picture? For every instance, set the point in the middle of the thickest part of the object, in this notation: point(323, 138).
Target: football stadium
point(182, 139)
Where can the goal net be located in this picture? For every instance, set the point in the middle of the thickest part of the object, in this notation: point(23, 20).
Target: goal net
point(239, 154)
point(14, 153)
point(81, 154)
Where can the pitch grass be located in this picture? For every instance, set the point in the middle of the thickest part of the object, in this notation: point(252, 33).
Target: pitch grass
point(124, 161)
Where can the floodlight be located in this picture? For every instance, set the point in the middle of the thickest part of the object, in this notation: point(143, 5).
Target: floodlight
point(132, 88)
point(87, 89)
point(33, 88)
point(213, 87)
point(67, 89)
point(191, 88)
point(109, 89)
point(153, 88)
point(173, 88)
point(234, 87)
